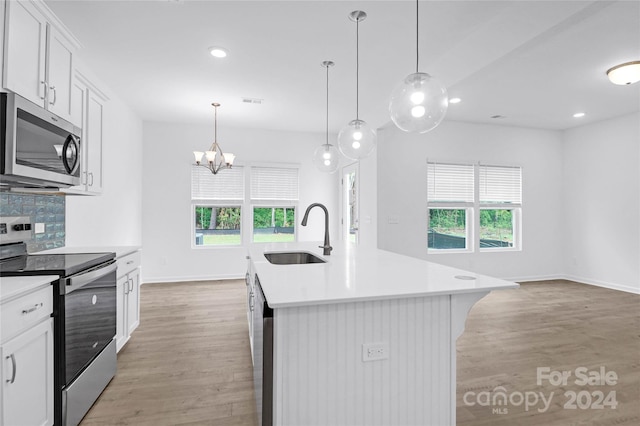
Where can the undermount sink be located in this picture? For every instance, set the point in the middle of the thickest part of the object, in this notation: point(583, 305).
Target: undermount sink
point(293, 258)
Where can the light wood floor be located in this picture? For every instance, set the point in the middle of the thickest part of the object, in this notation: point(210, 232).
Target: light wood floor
point(189, 361)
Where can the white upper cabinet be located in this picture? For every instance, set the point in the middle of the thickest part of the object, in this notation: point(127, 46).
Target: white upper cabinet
point(38, 56)
point(25, 52)
point(60, 74)
point(87, 111)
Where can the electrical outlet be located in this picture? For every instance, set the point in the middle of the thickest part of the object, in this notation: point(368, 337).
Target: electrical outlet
point(375, 351)
point(14, 229)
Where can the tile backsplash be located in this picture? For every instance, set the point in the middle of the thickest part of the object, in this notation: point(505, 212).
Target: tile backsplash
point(47, 209)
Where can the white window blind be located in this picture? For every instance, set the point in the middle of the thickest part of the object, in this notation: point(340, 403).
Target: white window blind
point(450, 182)
point(228, 184)
point(274, 183)
point(500, 184)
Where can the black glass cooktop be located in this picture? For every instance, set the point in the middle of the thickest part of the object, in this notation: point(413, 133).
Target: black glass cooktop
point(52, 264)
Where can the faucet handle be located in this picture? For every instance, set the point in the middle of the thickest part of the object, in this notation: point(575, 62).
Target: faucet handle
point(326, 250)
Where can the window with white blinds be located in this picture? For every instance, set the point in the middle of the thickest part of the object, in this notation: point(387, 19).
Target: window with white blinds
point(450, 182)
point(225, 186)
point(473, 207)
point(274, 183)
point(500, 184)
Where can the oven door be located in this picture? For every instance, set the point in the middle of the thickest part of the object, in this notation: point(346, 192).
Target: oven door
point(89, 316)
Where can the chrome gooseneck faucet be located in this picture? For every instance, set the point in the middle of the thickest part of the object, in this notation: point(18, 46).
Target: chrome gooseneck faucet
point(326, 247)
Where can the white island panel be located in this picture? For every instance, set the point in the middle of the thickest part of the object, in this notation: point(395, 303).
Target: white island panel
point(321, 378)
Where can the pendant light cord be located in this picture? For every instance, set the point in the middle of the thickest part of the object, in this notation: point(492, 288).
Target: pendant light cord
point(417, 39)
point(215, 125)
point(327, 129)
point(357, 67)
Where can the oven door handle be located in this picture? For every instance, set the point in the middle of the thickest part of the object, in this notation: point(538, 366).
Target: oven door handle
point(77, 281)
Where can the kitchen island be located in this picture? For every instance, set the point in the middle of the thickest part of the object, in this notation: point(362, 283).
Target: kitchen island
point(366, 338)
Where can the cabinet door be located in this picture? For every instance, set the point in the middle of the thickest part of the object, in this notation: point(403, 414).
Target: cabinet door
point(59, 74)
point(122, 289)
point(79, 94)
point(133, 301)
point(2, 15)
point(25, 51)
point(93, 142)
point(79, 105)
point(27, 377)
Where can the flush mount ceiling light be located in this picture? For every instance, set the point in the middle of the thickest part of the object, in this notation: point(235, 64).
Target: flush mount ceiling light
point(357, 139)
point(216, 159)
point(627, 73)
point(419, 102)
point(326, 157)
point(218, 52)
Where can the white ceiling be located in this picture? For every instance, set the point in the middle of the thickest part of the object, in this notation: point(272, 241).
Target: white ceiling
point(533, 62)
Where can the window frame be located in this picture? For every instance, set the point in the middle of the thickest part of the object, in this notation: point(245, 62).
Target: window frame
point(275, 205)
point(469, 235)
point(216, 203)
point(517, 226)
point(473, 210)
point(246, 204)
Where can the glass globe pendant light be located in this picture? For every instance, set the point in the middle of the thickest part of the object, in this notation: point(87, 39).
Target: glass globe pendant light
point(419, 102)
point(357, 139)
point(326, 157)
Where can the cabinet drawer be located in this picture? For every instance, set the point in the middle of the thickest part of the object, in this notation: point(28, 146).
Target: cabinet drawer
point(128, 263)
point(22, 313)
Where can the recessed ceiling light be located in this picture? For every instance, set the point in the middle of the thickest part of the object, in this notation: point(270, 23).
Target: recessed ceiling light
point(218, 52)
point(578, 115)
point(627, 73)
point(455, 100)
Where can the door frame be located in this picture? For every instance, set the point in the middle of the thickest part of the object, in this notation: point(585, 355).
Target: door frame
point(344, 201)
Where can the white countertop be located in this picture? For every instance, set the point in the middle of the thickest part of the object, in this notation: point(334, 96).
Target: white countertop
point(11, 287)
point(357, 274)
point(118, 250)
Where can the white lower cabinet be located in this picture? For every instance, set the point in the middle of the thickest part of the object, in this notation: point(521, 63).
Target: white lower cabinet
point(26, 375)
point(128, 298)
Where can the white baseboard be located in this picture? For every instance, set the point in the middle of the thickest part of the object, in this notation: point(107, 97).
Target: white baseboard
point(604, 284)
point(581, 280)
point(157, 280)
point(535, 278)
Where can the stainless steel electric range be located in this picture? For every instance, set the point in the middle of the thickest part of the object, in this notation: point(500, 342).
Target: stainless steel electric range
point(84, 314)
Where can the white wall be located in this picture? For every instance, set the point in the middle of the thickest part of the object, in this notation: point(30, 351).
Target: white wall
point(112, 218)
point(166, 226)
point(402, 192)
point(602, 203)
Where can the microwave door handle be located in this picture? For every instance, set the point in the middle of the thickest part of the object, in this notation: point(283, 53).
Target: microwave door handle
point(77, 281)
point(70, 143)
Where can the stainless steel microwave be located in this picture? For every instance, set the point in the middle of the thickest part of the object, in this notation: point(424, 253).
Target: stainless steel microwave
point(38, 148)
